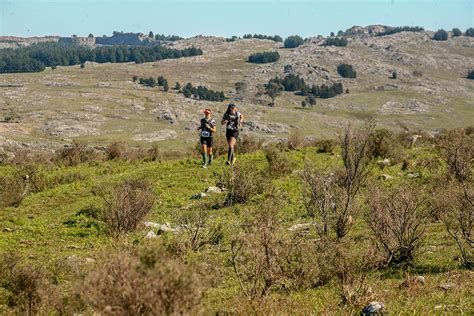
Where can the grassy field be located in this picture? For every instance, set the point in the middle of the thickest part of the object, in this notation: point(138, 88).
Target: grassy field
point(47, 229)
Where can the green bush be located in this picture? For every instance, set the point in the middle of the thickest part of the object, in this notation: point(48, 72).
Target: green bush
point(346, 71)
point(293, 41)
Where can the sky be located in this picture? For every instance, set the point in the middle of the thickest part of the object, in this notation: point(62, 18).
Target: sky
point(225, 17)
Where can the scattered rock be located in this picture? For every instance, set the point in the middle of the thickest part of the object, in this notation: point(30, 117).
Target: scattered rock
point(198, 196)
point(374, 308)
point(446, 286)
point(383, 163)
point(413, 175)
point(420, 279)
point(90, 260)
point(150, 235)
point(300, 227)
point(213, 190)
point(385, 177)
point(8, 230)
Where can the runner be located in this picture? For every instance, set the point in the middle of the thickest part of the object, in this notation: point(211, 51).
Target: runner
point(233, 121)
point(207, 128)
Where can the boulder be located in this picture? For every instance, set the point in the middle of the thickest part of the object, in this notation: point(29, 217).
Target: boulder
point(214, 190)
point(385, 177)
point(374, 308)
point(150, 235)
point(383, 163)
point(198, 196)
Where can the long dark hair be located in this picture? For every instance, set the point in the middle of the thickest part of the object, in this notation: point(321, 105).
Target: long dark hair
point(230, 106)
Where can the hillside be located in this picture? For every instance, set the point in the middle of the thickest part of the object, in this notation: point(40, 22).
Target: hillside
point(72, 262)
point(100, 104)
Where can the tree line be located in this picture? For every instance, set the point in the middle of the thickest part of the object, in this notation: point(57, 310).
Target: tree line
point(202, 93)
point(152, 82)
point(294, 83)
point(36, 57)
point(275, 38)
point(335, 41)
point(398, 29)
point(264, 57)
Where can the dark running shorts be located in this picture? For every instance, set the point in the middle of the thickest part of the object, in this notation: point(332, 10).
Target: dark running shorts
point(231, 134)
point(207, 141)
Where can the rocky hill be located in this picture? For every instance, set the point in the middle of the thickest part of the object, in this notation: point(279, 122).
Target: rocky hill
point(101, 104)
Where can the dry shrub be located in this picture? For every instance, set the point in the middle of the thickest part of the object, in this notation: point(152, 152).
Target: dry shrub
point(197, 230)
point(219, 147)
point(397, 218)
point(295, 141)
point(386, 145)
point(117, 151)
point(351, 273)
point(330, 196)
point(26, 286)
point(325, 145)
point(457, 149)
point(278, 163)
point(146, 283)
point(266, 257)
point(77, 153)
point(242, 182)
point(24, 180)
point(127, 205)
point(454, 205)
point(249, 144)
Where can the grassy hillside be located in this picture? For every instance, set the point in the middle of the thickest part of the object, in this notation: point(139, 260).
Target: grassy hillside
point(58, 229)
point(100, 103)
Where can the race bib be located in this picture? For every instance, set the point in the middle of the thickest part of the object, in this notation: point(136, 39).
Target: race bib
point(205, 134)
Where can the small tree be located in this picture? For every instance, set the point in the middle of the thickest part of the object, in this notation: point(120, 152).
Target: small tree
point(240, 88)
point(470, 74)
point(134, 78)
point(161, 80)
point(397, 219)
point(273, 90)
point(456, 32)
point(166, 87)
point(151, 35)
point(346, 71)
point(90, 35)
point(440, 35)
point(311, 100)
point(177, 86)
point(293, 41)
point(330, 196)
point(469, 32)
point(394, 75)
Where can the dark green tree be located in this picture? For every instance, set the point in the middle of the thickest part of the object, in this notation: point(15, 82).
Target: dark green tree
point(166, 87)
point(293, 41)
point(151, 35)
point(469, 32)
point(90, 35)
point(177, 86)
point(264, 57)
point(440, 35)
point(456, 32)
point(470, 74)
point(346, 71)
point(273, 90)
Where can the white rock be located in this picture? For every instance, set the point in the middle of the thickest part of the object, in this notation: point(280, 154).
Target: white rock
point(373, 308)
point(150, 235)
point(213, 190)
point(302, 226)
point(199, 196)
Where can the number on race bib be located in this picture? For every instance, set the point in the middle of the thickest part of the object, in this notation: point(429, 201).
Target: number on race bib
point(205, 134)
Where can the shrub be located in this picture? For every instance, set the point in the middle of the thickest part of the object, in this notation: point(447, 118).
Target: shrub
point(325, 145)
point(248, 144)
point(440, 35)
point(397, 219)
point(265, 257)
point(127, 206)
point(278, 163)
point(26, 285)
point(394, 75)
point(385, 145)
point(456, 32)
point(457, 150)
point(293, 41)
point(242, 182)
point(346, 71)
point(264, 58)
point(13, 190)
point(454, 205)
point(117, 151)
point(146, 283)
point(417, 73)
point(330, 196)
point(75, 154)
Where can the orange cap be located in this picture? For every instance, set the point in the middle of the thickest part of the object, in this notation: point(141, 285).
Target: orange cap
point(207, 111)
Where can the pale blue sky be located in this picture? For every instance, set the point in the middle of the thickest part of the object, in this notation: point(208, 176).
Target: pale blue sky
point(225, 17)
